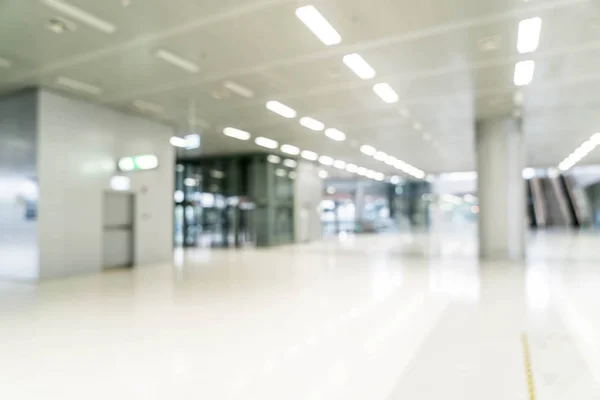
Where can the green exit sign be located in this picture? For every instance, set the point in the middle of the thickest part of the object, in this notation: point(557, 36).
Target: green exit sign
point(138, 163)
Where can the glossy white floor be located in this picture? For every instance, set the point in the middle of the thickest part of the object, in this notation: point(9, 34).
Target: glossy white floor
point(369, 317)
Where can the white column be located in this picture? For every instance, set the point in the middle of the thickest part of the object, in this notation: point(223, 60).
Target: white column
point(500, 161)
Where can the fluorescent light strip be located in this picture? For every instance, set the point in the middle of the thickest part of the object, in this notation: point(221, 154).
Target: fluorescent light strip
point(326, 160)
point(81, 15)
point(368, 150)
point(236, 133)
point(529, 35)
point(336, 135)
point(239, 89)
point(339, 164)
point(273, 159)
point(352, 168)
point(312, 124)
point(178, 142)
point(177, 61)
point(4, 63)
point(266, 142)
point(290, 163)
point(309, 155)
point(314, 20)
point(281, 109)
point(380, 156)
point(289, 149)
point(147, 106)
point(78, 86)
point(524, 72)
point(359, 66)
point(586, 147)
point(323, 174)
point(386, 93)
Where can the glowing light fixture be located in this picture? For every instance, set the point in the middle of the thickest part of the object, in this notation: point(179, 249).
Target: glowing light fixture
point(309, 155)
point(266, 142)
point(336, 135)
point(326, 160)
point(135, 163)
point(323, 174)
point(380, 156)
point(339, 164)
point(177, 61)
point(312, 124)
point(236, 133)
point(386, 93)
point(316, 22)
point(288, 162)
point(352, 168)
point(239, 89)
point(524, 72)
point(368, 150)
point(529, 35)
point(359, 66)
point(81, 15)
point(281, 109)
point(273, 159)
point(289, 149)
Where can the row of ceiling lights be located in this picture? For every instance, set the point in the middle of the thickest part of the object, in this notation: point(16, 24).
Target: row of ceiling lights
point(528, 40)
point(315, 21)
point(305, 154)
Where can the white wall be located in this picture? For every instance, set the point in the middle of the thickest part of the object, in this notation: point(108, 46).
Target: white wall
point(18, 229)
point(78, 146)
point(308, 192)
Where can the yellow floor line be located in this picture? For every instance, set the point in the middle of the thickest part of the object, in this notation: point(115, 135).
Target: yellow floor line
point(528, 369)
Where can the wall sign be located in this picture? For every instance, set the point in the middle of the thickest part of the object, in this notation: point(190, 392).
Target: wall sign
point(138, 163)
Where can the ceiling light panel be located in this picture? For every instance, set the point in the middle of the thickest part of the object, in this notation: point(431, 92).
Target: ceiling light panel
point(309, 155)
point(339, 164)
point(312, 124)
point(281, 109)
point(81, 15)
point(266, 142)
point(239, 89)
point(524, 72)
point(273, 159)
point(326, 160)
point(368, 150)
point(78, 86)
point(529, 35)
point(359, 66)
point(290, 163)
point(236, 133)
point(289, 149)
point(335, 134)
point(178, 141)
point(316, 22)
point(177, 61)
point(386, 93)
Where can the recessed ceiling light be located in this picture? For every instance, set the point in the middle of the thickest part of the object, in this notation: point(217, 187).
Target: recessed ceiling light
point(312, 124)
point(334, 134)
point(359, 66)
point(368, 150)
point(81, 15)
point(266, 142)
point(362, 171)
point(178, 141)
point(524, 72)
point(323, 174)
point(309, 155)
point(177, 61)
point(78, 86)
point(326, 160)
point(289, 149)
point(380, 156)
point(379, 176)
point(390, 160)
point(239, 89)
point(352, 168)
point(273, 159)
point(236, 133)
point(529, 35)
point(386, 93)
point(147, 106)
point(4, 63)
point(282, 173)
point(339, 164)
point(281, 109)
point(417, 126)
point(314, 20)
point(290, 163)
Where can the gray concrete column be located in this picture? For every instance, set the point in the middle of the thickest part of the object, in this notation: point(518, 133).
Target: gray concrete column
point(500, 158)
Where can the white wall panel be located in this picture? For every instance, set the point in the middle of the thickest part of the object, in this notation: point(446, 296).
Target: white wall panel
point(308, 192)
point(79, 145)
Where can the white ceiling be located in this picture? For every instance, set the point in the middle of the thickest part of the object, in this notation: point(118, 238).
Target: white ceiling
point(428, 51)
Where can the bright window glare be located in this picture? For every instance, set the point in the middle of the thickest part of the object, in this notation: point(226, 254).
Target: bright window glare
point(316, 22)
